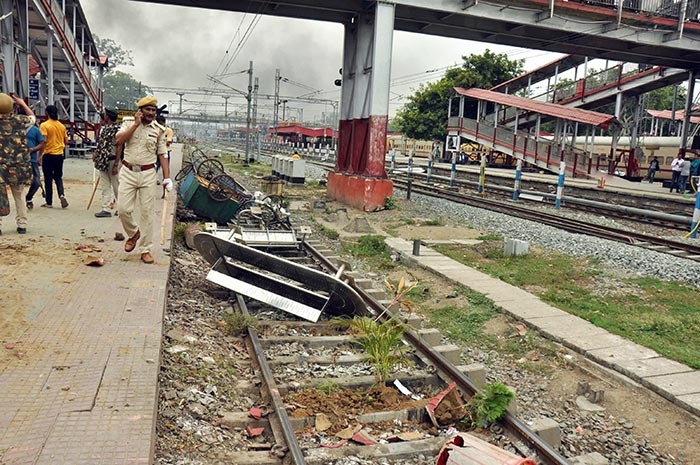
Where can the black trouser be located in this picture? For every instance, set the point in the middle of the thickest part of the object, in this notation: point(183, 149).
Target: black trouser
point(675, 178)
point(52, 165)
point(35, 182)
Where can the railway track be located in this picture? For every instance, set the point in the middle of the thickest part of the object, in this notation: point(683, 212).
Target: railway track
point(504, 191)
point(666, 246)
point(646, 241)
point(281, 345)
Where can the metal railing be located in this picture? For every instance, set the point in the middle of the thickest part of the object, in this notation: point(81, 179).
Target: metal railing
point(68, 40)
point(520, 144)
point(665, 8)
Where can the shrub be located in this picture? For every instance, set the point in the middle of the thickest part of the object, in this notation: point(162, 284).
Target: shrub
point(489, 405)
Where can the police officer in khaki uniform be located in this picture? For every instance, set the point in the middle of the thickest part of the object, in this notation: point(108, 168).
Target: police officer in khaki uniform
point(144, 142)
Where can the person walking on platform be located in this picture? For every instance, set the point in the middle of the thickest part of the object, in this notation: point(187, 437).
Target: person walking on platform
point(653, 168)
point(36, 144)
point(144, 142)
point(106, 159)
point(15, 165)
point(56, 137)
point(685, 174)
point(676, 166)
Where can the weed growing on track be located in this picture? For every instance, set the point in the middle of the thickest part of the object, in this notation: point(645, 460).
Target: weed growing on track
point(488, 405)
point(661, 315)
point(238, 323)
point(383, 344)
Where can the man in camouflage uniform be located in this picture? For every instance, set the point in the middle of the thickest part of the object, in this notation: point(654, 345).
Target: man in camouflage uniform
point(107, 161)
point(15, 162)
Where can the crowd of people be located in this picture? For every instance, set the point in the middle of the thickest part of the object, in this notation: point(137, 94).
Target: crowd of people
point(682, 170)
point(128, 156)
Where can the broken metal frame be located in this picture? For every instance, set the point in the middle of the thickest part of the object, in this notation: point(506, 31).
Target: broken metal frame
point(289, 286)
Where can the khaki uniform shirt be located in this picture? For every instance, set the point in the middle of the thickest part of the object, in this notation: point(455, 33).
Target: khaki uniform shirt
point(145, 144)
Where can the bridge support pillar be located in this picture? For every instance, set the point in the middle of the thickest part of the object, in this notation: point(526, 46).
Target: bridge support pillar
point(360, 177)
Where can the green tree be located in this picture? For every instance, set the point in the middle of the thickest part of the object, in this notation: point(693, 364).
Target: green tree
point(425, 114)
point(116, 54)
point(121, 89)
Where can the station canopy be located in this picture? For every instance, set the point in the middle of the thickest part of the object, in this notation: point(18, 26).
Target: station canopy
point(304, 131)
point(679, 116)
point(592, 118)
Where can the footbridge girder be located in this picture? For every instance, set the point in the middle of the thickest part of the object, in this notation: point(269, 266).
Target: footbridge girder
point(595, 28)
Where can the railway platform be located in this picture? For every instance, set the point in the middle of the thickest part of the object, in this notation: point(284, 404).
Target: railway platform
point(80, 357)
point(674, 381)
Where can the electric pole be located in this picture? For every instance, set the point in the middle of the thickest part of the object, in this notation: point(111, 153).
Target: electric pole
point(275, 118)
point(255, 120)
point(250, 101)
point(180, 94)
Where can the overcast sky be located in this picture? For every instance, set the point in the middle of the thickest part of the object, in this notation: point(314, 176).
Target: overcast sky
point(178, 47)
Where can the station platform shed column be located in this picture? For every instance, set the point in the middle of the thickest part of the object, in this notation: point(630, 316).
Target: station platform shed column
point(359, 178)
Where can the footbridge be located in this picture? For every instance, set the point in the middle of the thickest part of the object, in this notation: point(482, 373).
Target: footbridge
point(49, 56)
point(477, 119)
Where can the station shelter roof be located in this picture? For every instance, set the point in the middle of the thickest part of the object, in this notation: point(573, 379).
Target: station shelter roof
point(536, 75)
point(668, 114)
point(304, 131)
point(593, 118)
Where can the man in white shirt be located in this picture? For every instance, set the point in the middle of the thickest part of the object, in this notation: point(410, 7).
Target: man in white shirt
point(676, 166)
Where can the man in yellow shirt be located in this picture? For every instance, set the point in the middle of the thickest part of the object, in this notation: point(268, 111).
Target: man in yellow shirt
point(56, 137)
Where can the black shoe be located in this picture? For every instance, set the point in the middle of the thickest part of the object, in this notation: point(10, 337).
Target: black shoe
point(64, 202)
point(21, 230)
point(103, 214)
point(30, 204)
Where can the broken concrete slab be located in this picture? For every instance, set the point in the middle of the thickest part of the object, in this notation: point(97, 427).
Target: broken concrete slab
point(587, 405)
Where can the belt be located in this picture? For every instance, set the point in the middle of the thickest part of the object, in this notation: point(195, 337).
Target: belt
point(138, 168)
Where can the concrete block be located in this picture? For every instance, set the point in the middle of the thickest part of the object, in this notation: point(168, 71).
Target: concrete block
point(515, 247)
point(476, 372)
point(513, 404)
point(377, 294)
point(430, 336)
point(548, 430)
point(451, 352)
point(411, 319)
point(594, 458)
point(364, 283)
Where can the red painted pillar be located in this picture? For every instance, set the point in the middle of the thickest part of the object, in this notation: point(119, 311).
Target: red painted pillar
point(360, 178)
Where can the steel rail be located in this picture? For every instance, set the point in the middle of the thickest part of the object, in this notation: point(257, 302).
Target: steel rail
point(567, 224)
point(543, 449)
point(620, 211)
point(275, 396)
